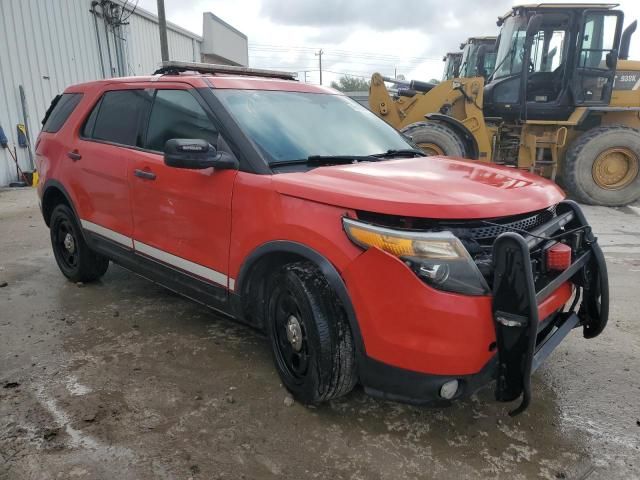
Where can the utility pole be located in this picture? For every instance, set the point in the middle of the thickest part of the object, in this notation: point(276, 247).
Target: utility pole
point(319, 55)
point(162, 23)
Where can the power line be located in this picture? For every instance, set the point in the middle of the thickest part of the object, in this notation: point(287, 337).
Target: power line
point(336, 52)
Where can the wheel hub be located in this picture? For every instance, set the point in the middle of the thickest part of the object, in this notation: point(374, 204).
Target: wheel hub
point(294, 333)
point(615, 168)
point(431, 149)
point(69, 243)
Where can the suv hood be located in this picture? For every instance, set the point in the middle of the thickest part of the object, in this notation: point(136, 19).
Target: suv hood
point(433, 187)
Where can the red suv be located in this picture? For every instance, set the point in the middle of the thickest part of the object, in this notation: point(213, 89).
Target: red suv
point(294, 209)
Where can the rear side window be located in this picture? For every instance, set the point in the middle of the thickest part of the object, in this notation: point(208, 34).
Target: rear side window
point(117, 117)
point(177, 114)
point(61, 107)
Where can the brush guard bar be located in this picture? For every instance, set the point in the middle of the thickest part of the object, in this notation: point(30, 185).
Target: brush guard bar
point(523, 340)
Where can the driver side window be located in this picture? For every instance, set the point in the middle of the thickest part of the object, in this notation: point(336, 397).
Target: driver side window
point(177, 114)
point(597, 40)
point(547, 51)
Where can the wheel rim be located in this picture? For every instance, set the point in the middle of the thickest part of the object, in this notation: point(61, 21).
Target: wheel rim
point(66, 244)
point(289, 332)
point(615, 168)
point(431, 149)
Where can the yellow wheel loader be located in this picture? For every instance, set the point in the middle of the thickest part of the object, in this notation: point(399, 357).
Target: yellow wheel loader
point(563, 100)
point(451, 65)
point(478, 57)
point(465, 63)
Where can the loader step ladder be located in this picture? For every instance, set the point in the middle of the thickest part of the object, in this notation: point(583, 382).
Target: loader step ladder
point(548, 141)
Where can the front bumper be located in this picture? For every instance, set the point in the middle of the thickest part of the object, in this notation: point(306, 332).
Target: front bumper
point(417, 338)
point(523, 340)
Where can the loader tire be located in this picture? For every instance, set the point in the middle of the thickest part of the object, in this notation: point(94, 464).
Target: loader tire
point(602, 166)
point(435, 138)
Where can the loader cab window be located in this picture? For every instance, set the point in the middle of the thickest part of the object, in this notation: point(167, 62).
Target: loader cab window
point(469, 62)
point(546, 64)
point(511, 48)
point(547, 51)
point(597, 55)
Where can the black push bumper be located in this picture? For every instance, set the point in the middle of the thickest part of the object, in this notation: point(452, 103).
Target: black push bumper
point(523, 341)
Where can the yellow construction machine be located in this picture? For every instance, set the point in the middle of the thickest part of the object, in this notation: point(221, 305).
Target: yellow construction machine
point(465, 63)
point(451, 65)
point(563, 100)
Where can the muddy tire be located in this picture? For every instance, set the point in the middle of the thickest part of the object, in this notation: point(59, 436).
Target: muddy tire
point(601, 167)
point(310, 338)
point(435, 138)
point(75, 259)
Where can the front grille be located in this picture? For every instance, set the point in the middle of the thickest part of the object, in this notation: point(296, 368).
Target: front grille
point(527, 223)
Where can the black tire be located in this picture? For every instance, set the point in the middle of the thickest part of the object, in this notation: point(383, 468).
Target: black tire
point(75, 259)
point(428, 135)
point(316, 359)
point(580, 162)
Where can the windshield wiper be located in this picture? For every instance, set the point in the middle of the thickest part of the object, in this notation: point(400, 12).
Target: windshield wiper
point(326, 160)
point(400, 153)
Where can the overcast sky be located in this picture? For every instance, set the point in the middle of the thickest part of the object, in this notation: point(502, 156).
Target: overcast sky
point(358, 37)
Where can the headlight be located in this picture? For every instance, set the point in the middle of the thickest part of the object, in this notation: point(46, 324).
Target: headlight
point(438, 258)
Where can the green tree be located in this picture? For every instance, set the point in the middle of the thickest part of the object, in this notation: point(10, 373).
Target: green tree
point(347, 83)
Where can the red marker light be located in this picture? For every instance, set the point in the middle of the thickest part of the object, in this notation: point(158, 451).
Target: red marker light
point(559, 257)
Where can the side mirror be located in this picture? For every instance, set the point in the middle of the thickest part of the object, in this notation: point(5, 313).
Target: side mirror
point(612, 59)
point(534, 25)
point(196, 154)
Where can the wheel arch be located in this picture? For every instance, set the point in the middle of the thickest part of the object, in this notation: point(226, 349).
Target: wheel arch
point(53, 194)
point(470, 142)
point(266, 257)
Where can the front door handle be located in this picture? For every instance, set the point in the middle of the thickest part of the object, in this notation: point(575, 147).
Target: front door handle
point(74, 155)
point(146, 174)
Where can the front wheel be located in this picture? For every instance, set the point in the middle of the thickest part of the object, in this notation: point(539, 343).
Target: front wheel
point(310, 338)
point(75, 259)
point(435, 138)
point(602, 167)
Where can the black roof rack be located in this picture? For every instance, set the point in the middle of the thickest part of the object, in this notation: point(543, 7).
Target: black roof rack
point(173, 68)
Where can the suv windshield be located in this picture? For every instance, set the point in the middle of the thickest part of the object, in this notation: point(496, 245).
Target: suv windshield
point(289, 126)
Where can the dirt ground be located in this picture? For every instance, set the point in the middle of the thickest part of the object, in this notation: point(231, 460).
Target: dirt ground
point(122, 379)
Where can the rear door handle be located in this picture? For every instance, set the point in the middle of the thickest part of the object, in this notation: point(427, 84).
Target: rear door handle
point(74, 155)
point(146, 174)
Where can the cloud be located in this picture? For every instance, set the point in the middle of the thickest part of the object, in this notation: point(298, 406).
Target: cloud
point(442, 26)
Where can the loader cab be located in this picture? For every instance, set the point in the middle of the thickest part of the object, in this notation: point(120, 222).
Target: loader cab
point(552, 59)
point(473, 50)
point(451, 65)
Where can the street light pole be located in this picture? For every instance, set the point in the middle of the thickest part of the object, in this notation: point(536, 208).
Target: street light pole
point(162, 24)
point(319, 55)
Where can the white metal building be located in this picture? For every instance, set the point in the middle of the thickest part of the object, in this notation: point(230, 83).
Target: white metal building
point(47, 45)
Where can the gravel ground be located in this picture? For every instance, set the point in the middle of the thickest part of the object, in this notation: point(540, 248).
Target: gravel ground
point(122, 379)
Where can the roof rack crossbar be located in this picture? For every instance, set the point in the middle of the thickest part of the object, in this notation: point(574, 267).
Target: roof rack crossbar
point(173, 67)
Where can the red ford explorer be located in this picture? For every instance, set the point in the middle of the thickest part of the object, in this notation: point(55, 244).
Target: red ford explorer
point(292, 208)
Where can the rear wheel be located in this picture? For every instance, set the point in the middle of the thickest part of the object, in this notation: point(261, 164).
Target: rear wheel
point(309, 334)
point(75, 259)
point(602, 167)
point(436, 138)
